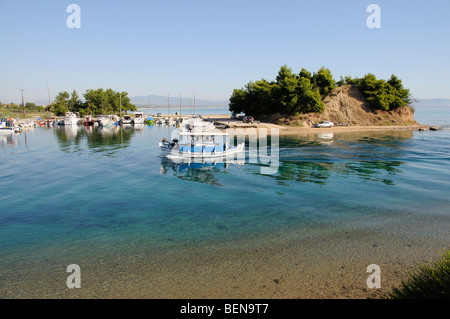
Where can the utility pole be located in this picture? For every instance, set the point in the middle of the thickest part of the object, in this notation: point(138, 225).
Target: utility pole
point(48, 89)
point(23, 104)
point(120, 103)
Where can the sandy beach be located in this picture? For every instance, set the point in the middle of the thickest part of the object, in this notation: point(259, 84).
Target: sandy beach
point(225, 120)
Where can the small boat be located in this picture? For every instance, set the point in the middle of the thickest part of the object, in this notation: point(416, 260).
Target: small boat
point(150, 120)
point(7, 126)
point(126, 120)
point(28, 124)
point(199, 143)
point(71, 118)
point(195, 121)
point(105, 121)
point(88, 121)
point(138, 118)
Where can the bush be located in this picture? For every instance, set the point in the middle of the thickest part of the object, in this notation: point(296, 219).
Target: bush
point(427, 281)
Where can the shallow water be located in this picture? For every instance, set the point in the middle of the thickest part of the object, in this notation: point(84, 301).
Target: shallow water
point(68, 193)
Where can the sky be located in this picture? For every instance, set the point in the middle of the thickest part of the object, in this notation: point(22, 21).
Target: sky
point(208, 48)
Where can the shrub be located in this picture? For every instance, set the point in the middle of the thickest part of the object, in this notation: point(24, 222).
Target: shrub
point(427, 281)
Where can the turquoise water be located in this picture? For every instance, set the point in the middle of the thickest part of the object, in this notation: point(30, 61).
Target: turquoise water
point(82, 186)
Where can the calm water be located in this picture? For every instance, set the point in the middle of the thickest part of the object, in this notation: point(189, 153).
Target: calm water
point(78, 187)
point(185, 110)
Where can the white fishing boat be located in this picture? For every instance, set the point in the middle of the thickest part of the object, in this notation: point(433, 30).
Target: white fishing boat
point(199, 143)
point(28, 124)
point(105, 121)
point(195, 121)
point(138, 118)
point(7, 126)
point(126, 120)
point(71, 118)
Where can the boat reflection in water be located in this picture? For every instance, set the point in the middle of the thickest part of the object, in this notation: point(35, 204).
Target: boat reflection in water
point(99, 139)
point(205, 171)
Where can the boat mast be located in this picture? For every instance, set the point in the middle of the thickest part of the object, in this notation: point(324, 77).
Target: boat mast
point(120, 105)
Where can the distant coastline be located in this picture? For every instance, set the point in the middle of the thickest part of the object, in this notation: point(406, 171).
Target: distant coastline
point(177, 107)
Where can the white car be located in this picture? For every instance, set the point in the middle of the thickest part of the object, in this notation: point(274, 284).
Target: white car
point(324, 124)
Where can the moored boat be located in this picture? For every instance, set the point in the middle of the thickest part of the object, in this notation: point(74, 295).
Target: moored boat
point(105, 121)
point(88, 121)
point(138, 118)
point(126, 120)
point(199, 143)
point(7, 126)
point(71, 118)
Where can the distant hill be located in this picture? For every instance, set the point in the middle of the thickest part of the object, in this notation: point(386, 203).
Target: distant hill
point(161, 101)
point(431, 103)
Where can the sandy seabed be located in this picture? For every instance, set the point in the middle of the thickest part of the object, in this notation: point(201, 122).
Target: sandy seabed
point(327, 262)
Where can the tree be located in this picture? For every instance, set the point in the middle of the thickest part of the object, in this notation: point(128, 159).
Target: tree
point(60, 105)
point(30, 106)
point(106, 102)
point(323, 79)
point(289, 94)
point(285, 91)
point(310, 99)
point(305, 74)
point(401, 92)
point(384, 95)
point(238, 101)
point(74, 103)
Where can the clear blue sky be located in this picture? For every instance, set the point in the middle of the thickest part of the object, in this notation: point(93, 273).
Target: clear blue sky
point(208, 48)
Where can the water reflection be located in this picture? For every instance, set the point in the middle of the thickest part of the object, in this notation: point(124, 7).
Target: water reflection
point(8, 140)
point(382, 138)
point(205, 172)
point(72, 138)
point(315, 158)
point(321, 172)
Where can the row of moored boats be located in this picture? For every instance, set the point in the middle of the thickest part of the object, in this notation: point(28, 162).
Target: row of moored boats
point(194, 138)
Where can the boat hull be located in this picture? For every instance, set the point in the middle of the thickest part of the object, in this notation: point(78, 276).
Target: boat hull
point(192, 152)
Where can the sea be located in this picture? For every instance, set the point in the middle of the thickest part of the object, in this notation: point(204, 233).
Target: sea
point(140, 225)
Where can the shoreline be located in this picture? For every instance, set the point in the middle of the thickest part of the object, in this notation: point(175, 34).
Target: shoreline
point(225, 121)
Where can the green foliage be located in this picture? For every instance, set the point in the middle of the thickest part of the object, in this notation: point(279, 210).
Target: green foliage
point(289, 94)
point(323, 79)
point(382, 95)
point(60, 105)
point(96, 102)
point(303, 93)
point(427, 282)
point(106, 102)
point(30, 106)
